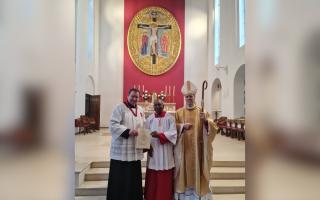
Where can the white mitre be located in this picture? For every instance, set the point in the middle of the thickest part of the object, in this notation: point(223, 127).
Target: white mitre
point(188, 89)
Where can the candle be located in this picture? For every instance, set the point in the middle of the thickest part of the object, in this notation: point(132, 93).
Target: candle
point(142, 88)
point(134, 86)
point(174, 87)
point(165, 90)
point(169, 90)
point(138, 87)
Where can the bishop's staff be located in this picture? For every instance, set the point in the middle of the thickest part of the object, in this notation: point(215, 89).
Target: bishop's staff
point(204, 87)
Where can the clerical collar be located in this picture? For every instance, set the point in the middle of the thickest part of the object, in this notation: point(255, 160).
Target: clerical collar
point(162, 114)
point(190, 107)
point(129, 105)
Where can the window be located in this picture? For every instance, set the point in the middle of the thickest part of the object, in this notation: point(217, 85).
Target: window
point(90, 30)
point(241, 17)
point(216, 32)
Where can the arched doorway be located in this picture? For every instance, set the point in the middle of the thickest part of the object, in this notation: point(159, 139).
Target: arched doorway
point(239, 93)
point(90, 87)
point(216, 98)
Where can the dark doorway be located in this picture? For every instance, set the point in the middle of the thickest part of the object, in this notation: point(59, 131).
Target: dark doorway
point(93, 108)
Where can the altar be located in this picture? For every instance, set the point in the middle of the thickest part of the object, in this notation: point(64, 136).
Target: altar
point(148, 108)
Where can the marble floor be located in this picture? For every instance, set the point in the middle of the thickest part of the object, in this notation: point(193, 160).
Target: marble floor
point(95, 147)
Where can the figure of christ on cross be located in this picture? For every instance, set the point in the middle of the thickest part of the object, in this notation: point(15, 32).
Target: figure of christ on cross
point(154, 37)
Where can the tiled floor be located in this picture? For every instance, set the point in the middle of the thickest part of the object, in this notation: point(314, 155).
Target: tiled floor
point(95, 147)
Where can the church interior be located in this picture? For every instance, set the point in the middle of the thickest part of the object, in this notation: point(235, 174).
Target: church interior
point(252, 65)
point(212, 47)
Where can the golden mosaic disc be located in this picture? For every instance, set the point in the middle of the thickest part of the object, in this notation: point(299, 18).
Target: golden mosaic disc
point(154, 40)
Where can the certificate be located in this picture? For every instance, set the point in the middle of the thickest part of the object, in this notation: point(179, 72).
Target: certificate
point(143, 140)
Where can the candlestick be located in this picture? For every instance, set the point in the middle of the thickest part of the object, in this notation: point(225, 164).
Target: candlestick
point(169, 93)
point(173, 90)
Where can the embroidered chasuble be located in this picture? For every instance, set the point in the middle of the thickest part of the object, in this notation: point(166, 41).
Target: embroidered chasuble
point(193, 152)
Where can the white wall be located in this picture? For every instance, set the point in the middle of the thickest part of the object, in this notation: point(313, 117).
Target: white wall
point(239, 90)
point(196, 44)
point(216, 95)
point(90, 86)
point(111, 56)
point(230, 54)
point(86, 70)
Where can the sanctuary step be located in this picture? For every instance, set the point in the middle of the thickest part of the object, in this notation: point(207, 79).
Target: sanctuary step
point(227, 180)
point(106, 164)
point(100, 174)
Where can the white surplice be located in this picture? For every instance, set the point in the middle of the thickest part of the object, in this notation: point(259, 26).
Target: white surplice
point(122, 119)
point(162, 158)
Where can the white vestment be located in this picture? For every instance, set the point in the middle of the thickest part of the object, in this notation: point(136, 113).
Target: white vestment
point(162, 158)
point(122, 118)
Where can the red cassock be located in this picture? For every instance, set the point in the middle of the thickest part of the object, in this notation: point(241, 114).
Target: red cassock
point(159, 185)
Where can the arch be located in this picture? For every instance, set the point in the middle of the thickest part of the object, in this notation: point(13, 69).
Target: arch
point(216, 98)
point(90, 86)
point(239, 93)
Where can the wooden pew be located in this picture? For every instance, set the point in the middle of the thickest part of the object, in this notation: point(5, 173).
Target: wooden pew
point(92, 123)
point(238, 128)
point(85, 124)
point(222, 124)
point(234, 128)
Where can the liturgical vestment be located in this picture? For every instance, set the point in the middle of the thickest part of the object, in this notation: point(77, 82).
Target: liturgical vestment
point(125, 178)
point(160, 167)
point(193, 155)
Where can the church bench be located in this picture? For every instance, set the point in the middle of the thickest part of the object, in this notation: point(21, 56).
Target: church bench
point(238, 129)
point(234, 128)
point(222, 124)
point(84, 124)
